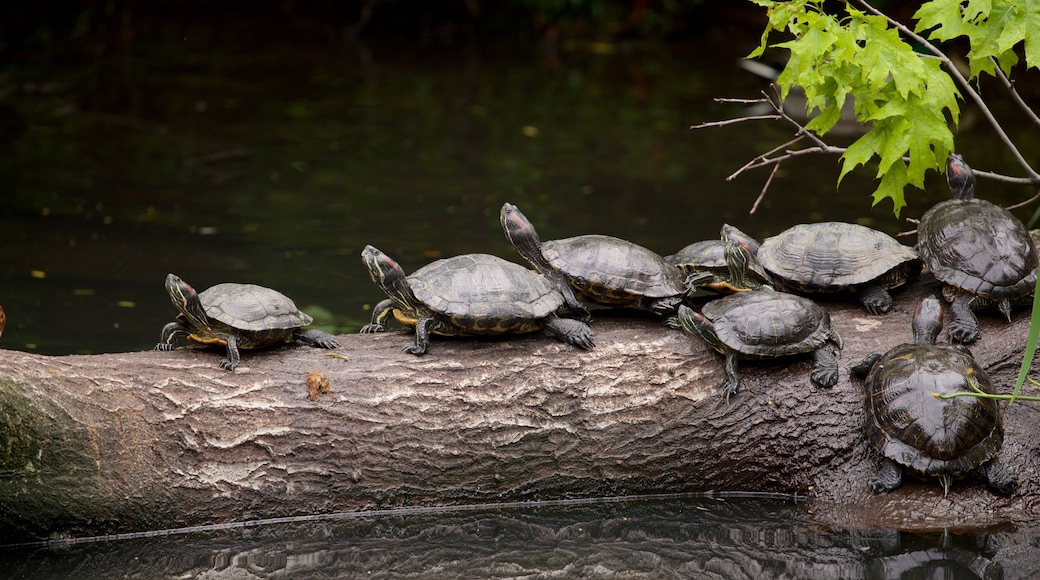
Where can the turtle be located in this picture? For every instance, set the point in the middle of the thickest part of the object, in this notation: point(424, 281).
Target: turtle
point(764, 324)
point(912, 429)
point(827, 257)
point(467, 295)
point(979, 251)
point(238, 316)
point(599, 269)
point(711, 256)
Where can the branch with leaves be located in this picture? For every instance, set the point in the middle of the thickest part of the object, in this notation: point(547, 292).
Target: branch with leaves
point(909, 99)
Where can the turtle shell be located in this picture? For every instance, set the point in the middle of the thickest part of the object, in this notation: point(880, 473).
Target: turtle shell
point(979, 247)
point(767, 324)
point(612, 271)
point(710, 256)
point(252, 308)
point(924, 433)
point(480, 293)
point(831, 256)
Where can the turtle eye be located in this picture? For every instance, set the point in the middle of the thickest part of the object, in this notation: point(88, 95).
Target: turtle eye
point(580, 282)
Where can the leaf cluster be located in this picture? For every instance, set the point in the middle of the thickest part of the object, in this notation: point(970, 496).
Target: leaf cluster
point(909, 98)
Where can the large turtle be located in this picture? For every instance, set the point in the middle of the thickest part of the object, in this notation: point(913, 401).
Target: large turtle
point(914, 429)
point(238, 316)
point(715, 257)
point(471, 294)
point(764, 324)
point(828, 257)
point(982, 254)
point(598, 269)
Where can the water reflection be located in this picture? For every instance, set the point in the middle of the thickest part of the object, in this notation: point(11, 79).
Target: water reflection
point(638, 538)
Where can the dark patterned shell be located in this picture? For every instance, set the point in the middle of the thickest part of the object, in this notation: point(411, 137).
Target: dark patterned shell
point(768, 324)
point(710, 256)
point(828, 256)
point(613, 271)
point(484, 293)
point(252, 308)
point(929, 435)
point(979, 247)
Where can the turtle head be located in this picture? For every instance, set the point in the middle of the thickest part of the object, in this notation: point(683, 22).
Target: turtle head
point(522, 235)
point(186, 300)
point(960, 177)
point(388, 275)
point(927, 320)
point(695, 324)
point(733, 235)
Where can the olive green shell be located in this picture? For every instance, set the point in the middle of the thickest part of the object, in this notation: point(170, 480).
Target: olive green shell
point(832, 256)
point(612, 271)
point(929, 435)
point(979, 247)
point(710, 256)
point(767, 324)
point(484, 294)
point(260, 316)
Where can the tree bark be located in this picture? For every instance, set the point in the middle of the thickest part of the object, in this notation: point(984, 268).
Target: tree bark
point(101, 444)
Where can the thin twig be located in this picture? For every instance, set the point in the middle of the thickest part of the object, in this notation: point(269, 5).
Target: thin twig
point(762, 195)
point(1010, 86)
point(735, 120)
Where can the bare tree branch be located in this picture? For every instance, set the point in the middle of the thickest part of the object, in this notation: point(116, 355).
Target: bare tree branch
point(1010, 86)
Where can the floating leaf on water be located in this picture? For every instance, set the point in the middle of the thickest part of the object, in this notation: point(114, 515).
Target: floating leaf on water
point(38, 274)
point(126, 303)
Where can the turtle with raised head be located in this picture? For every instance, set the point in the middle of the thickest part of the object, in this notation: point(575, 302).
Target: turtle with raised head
point(913, 429)
point(237, 316)
point(713, 258)
point(981, 253)
point(598, 269)
point(468, 295)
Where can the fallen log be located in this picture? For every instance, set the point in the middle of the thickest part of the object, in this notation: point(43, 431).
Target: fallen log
point(114, 443)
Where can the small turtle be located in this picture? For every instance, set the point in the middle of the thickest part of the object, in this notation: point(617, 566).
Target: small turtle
point(711, 256)
point(982, 254)
point(914, 429)
point(599, 269)
point(764, 324)
point(467, 295)
point(238, 316)
point(836, 256)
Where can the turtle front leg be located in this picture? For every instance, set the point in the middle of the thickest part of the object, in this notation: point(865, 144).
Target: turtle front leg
point(422, 336)
point(380, 314)
point(875, 299)
point(570, 331)
point(732, 376)
point(964, 328)
point(316, 338)
point(862, 368)
point(170, 334)
point(825, 368)
point(998, 477)
point(887, 478)
point(231, 362)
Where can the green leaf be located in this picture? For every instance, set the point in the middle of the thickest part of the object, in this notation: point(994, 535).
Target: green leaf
point(891, 187)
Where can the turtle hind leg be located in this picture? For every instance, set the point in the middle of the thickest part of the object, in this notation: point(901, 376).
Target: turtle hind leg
point(316, 338)
point(964, 328)
point(999, 477)
point(231, 362)
point(875, 299)
point(570, 331)
point(887, 478)
point(825, 368)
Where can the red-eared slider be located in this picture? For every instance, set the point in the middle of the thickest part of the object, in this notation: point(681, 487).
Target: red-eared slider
point(836, 256)
point(764, 324)
point(599, 269)
point(913, 429)
point(238, 316)
point(710, 256)
point(979, 251)
point(471, 294)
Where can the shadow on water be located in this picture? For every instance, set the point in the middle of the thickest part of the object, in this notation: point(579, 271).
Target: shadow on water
point(661, 537)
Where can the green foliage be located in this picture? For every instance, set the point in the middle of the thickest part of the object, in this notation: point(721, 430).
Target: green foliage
point(907, 98)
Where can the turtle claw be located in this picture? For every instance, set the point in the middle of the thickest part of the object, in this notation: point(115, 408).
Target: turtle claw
point(164, 346)
point(370, 328)
point(228, 365)
point(963, 333)
point(415, 349)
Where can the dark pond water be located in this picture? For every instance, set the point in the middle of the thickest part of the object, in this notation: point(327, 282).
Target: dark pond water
point(664, 537)
point(271, 149)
